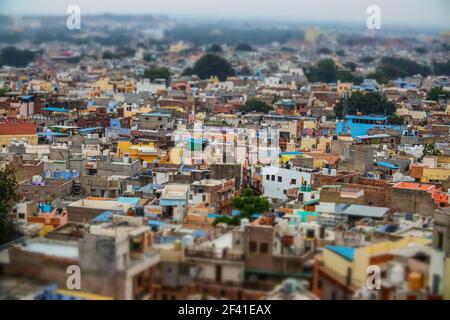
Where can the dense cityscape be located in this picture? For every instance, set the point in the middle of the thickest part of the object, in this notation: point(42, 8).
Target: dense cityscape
point(159, 157)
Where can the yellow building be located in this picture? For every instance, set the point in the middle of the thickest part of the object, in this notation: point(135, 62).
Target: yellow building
point(100, 86)
point(435, 175)
point(130, 112)
point(308, 143)
point(339, 262)
point(145, 152)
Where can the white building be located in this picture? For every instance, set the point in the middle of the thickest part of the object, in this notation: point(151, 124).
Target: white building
point(276, 181)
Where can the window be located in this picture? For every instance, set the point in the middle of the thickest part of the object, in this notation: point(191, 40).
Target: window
point(267, 176)
point(203, 197)
point(252, 246)
point(280, 179)
point(293, 181)
point(264, 247)
point(440, 241)
point(190, 197)
point(273, 177)
point(284, 191)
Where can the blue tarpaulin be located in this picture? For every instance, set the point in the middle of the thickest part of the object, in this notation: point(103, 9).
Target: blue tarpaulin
point(387, 165)
point(54, 109)
point(103, 217)
point(346, 252)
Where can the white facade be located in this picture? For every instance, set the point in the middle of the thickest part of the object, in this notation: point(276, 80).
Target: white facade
point(276, 181)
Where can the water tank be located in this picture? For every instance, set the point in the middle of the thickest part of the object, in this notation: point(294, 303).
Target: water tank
point(144, 164)
point(415, 281)
point(397, 274)
point(245, 222)
point(177, 245)
point(289, 286)
point(333, 172)
point(188, 240)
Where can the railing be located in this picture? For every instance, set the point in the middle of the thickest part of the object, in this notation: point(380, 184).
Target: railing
point(214, 254)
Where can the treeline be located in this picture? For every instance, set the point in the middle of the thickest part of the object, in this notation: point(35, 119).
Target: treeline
point(11, 56)
point(389, 68)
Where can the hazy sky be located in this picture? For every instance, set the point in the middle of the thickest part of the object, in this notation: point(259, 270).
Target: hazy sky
point(417, 13)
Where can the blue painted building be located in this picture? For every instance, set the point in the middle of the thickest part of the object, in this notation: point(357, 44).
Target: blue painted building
point(359, 125)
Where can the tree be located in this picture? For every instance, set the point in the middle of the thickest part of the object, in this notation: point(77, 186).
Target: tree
point(215, 48)
point(421, 50)
point(231, 221)
point(345, 76)
point(340, 53)
point(397, 119)
point(365, 103)
point(325, 71)
point(367, 60)
point(4, 90)
point(243, 47)
point(108, 55)
point(435, 93)
point(11, 56)
point(254, 105)
point(9, 196)
point(324, 51)
point(430, 150)
point(400, 67)
point(441, 68)
point(379, 76)
point(350, 65)
point(211, 65)
point(156, 72)
point(248, 203)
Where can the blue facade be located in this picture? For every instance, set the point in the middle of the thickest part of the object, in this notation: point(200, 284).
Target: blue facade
point(359, 125)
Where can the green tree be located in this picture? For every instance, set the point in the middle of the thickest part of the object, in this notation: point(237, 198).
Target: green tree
point(108, 55)
point(340, 53)
point(254, 105)
point(325, 71)
point(396, 119)
point(211, 65)
point(231, 221)
point(11, 56)
point(367, 59)
point(365, 103)
point(401, 67)
point(215, 48)
point(243, 47)
point(248, 203)
point(421, 50)
point(350, 65)
point(380, 76)
point(345, 76)
point(324, 51)
point(4, 90)
point(435, 93)
point(441, 68)
point(156, 72)
point(8, 198)
point(430, 150)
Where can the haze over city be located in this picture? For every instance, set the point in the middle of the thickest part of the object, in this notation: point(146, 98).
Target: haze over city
point(412, 13)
